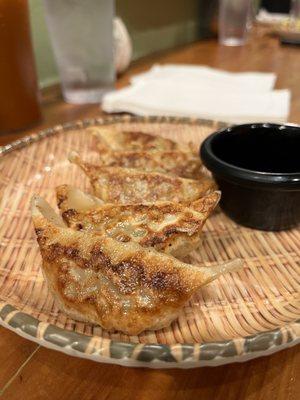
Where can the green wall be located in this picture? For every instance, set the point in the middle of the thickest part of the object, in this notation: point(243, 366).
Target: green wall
point(153, 25)
point(161, 24)
point(43, 52)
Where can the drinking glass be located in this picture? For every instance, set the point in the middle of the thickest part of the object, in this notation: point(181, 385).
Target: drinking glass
point(233, 21)
point(81, 33)
point(19, 98)
point(295, 9)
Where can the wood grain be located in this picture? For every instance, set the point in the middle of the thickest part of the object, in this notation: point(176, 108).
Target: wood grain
point(49, 374)
point(14, 351)
point(56, 376)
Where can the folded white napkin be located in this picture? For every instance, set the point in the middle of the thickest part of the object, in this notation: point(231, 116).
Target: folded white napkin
point(202, 92)
point(202, 75)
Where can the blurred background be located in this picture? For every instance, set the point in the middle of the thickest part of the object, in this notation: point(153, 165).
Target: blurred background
point(86, 47)
point(153, 26)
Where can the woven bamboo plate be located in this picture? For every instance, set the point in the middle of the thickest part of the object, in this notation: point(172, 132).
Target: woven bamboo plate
point(240, 316)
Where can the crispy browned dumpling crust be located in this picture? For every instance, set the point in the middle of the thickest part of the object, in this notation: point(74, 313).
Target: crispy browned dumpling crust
point(172, 228)
point(181, 163)
point(117, 285)
point(113, 139)
point(125, 185)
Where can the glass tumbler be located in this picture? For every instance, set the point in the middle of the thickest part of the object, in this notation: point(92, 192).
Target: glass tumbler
point(233, 21)
point(19, 97)
point(295, 9)
point(81, 33)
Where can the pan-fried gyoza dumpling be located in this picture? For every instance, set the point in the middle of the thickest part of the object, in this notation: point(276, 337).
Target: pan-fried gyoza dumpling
point(172, 228)
point(181, 163)
point(110, 137)
point(125, 185)
point(117, 285)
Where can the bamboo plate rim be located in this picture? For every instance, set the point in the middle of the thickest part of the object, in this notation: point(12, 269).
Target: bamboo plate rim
point(133, 354)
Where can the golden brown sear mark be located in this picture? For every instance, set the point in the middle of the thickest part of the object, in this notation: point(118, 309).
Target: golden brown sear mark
point(170, 227)
point(125, 185)
point(110, 138)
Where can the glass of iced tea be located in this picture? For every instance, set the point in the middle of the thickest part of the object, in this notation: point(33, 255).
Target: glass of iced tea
point(19, 105)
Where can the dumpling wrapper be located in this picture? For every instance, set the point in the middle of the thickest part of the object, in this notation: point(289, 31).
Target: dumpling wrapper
point(109, 137)
point(180, 163)
point(172, 228)
point(120, 286)
point(125, 185)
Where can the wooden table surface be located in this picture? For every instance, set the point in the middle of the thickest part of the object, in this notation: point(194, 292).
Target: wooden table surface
point(28, 371)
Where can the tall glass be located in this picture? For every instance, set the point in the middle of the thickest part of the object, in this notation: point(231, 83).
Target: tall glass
point(233, 21)
point(82, 38)
point(19, 98)
point(295, 10)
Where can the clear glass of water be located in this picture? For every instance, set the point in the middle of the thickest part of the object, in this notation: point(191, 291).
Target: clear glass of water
point(234, 18)
point(82, 38)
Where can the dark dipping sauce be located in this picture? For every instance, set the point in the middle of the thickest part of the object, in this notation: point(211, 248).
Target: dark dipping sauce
point(257, 168)
point(260, 148)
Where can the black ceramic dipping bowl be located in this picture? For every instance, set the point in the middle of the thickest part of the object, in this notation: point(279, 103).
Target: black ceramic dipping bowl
point(257, 168)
